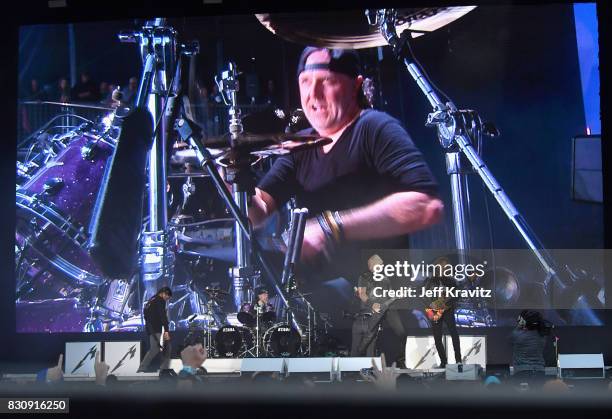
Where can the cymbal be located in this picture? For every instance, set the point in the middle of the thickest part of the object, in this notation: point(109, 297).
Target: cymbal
point(292, 146)
point(248, 141)
point(219, 291)
point(181, 156)
point(66, 104)
point(350, 29)
point(257, 145)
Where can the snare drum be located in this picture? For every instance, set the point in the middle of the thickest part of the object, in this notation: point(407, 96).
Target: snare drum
point(282, 340)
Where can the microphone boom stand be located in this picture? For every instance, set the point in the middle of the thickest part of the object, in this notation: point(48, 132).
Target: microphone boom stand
point(191, 133)
point(454, 136)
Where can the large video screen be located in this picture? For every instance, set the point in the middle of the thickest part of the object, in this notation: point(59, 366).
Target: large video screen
point(479, 131)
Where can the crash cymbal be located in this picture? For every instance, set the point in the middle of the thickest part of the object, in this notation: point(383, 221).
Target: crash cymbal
point(292, 146)
point(253, 142)
point(187, 156)
point(71, 105)
point(350, 29)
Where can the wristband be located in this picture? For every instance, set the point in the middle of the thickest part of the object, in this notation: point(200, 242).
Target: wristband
point(333, 226)
point(338, 219)
point(329, 236)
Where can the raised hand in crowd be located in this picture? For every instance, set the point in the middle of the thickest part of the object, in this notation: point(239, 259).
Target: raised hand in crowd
point(194, 356)
point(101, 369)
point(55, 373)
point(384, 378)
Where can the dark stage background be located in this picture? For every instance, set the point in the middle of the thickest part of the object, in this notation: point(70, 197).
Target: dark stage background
point(517, 65)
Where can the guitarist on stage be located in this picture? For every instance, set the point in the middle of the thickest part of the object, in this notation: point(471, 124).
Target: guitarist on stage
point(442, 310)
point(372, 312)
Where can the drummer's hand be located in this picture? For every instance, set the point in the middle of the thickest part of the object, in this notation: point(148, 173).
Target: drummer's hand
point(166, 336)
point(314, 242)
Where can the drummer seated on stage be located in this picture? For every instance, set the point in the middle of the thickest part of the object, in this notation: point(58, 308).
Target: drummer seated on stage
point(368, 188)
point(249, 312)
point(261, 298)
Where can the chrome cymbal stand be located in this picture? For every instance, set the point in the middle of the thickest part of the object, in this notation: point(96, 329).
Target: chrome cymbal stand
point(258, 312)
point(191, 133)
point(158, 86)
point(243, 274)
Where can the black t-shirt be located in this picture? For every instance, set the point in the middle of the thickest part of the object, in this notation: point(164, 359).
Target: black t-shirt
point(373, 158)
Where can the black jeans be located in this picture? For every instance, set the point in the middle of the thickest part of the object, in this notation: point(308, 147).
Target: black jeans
point(364, 335)
point(448, 317)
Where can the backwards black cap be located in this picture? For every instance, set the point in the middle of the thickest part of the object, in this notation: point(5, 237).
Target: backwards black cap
point(261, 290)
point(343, 61)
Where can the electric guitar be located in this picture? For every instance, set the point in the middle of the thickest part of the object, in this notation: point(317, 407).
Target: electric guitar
point(384, 306)
point(436, 309)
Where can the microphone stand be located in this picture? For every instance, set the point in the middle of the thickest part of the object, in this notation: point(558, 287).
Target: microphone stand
point(191, 133)
point(158, 49)
point(242, 179)
point(456, 130)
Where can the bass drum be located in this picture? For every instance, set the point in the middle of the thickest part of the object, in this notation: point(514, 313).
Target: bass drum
point(233, 341)
point(282, 340)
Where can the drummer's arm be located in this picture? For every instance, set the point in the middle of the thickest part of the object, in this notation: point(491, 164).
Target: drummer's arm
point(398, 213)
point(262, 204)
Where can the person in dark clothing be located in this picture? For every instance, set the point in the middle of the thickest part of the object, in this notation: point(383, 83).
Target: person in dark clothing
point(372, 311)
point(62, 93)
point(262, 299)
point(130, 92)
point(270, 96)
point(441, 310)
point(36, 92)
point(156, 318)
point(367, 189)
point(528, 342)
point(85, 90)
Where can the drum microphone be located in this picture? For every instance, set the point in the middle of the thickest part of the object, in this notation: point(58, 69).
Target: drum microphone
point(117, 216)
point(297, 122)
point(117, 95)
point(372, 17)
